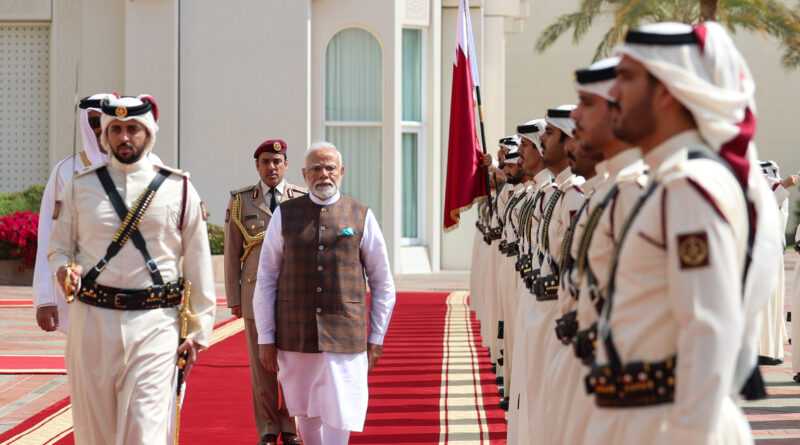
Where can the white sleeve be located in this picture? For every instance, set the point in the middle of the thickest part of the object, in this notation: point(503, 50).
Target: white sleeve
point(381, 285)
point(43, 292)
point(269, 269)
point(706, 302)
point(197, 269)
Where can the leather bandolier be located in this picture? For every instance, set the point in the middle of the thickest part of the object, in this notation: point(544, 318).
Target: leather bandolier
point(546, 288)
point(567, 325)
point(585, 342)
point(159, 295)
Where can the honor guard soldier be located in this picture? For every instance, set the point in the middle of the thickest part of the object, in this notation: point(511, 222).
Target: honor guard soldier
point(773, 329)
point(562, 204)
point(138, 230)
point(530, 151)
point(509, 280)
point(674, 320)
point(608, 204)
point(246, 220)
point(51, 310)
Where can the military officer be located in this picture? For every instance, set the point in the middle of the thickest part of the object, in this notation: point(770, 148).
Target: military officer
point(246, 220)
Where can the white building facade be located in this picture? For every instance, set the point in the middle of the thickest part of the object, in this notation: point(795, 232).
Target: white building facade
point(372, 76)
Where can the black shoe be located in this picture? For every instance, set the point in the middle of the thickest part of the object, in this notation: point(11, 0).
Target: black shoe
point(796, 377)
point(498, 380)
point(501, 352)
point(503, 404)
point(268, 439)
point(768, 361)
point(501, 392)
point(494, 369)
point(500, 361)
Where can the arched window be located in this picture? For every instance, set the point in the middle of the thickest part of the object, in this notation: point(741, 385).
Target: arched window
point(354, 111)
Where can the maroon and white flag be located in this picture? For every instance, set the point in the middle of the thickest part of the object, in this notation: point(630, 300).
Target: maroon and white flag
point(466, 179)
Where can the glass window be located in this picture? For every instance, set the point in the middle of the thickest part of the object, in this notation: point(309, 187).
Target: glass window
point(353, 111)
point(412, 138)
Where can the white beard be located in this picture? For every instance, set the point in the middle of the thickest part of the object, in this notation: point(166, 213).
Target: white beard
point(324, 193)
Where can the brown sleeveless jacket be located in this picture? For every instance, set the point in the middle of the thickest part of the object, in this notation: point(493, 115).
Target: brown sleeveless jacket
point(321, 303)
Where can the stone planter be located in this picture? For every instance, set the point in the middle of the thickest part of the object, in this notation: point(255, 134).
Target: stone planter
point(11, 276)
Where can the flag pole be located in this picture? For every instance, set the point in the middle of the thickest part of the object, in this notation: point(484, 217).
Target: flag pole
point(480, 116)
point(483, 146)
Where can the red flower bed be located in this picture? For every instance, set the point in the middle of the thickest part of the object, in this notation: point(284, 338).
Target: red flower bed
point(18, 234)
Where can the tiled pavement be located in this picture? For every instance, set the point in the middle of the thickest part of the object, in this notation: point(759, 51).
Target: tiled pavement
point(775, 421)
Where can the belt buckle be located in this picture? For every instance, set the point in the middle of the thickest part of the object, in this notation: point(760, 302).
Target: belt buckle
point(117, 303)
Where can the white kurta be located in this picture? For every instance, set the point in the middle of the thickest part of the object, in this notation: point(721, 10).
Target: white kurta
point(332, 386)
point(686, 305)
point(45, 292)
point(121, 363)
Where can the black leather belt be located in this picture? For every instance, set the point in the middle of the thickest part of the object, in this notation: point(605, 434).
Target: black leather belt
point(635, 384)
point(155, 297)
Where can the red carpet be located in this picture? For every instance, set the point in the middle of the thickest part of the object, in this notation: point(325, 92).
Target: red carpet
point(405, 386)
point(32, 364)
point(420, 390)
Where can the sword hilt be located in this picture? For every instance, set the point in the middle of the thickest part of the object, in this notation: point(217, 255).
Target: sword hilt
point(69, 289)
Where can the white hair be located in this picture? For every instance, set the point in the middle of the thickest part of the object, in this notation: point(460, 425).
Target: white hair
point(319, 145)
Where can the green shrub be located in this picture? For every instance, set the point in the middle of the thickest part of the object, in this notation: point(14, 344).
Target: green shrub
point(28, 199)
point(216, 238)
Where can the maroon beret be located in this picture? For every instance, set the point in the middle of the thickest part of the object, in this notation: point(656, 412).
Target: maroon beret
point(271, 146)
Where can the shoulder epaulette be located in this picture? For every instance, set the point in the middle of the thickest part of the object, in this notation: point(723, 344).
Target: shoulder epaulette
point(172, 170)
point(90, 169)
point(300, 190)
point(242, 190)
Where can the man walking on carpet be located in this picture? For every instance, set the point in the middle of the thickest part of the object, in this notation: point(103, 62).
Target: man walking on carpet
point(249, 211)
point(310, 301)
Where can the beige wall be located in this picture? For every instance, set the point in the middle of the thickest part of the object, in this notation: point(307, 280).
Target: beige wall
point(244, 78)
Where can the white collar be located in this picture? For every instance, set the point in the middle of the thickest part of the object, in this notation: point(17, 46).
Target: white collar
point(265, 188)
point(326, 202)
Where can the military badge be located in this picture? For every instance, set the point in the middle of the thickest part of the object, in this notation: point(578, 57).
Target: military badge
point(121, 112)
point(693, 250)
point(276, 146)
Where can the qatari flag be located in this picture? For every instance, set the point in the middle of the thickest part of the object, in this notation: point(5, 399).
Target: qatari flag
point(466, 179)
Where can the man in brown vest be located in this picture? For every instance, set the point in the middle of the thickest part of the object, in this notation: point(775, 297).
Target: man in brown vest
point(246, 220)
point(310, 302)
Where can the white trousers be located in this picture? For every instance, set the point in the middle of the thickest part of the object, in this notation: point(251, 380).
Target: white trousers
point(331, 386)
point(315, 432)
point(122, 373)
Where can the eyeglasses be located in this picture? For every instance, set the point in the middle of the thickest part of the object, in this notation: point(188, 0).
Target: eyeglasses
point(94, 122)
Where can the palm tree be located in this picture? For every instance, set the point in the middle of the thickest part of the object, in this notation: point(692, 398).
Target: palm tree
point(766, 17)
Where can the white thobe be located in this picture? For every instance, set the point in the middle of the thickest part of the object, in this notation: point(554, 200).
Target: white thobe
point(667, 303)
point(45, 292)
point(329, 385)
point(121, 363)
point(795, 295)
point(773, 328)
point(563, 369)
point(527, 317)
point(545, 345)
